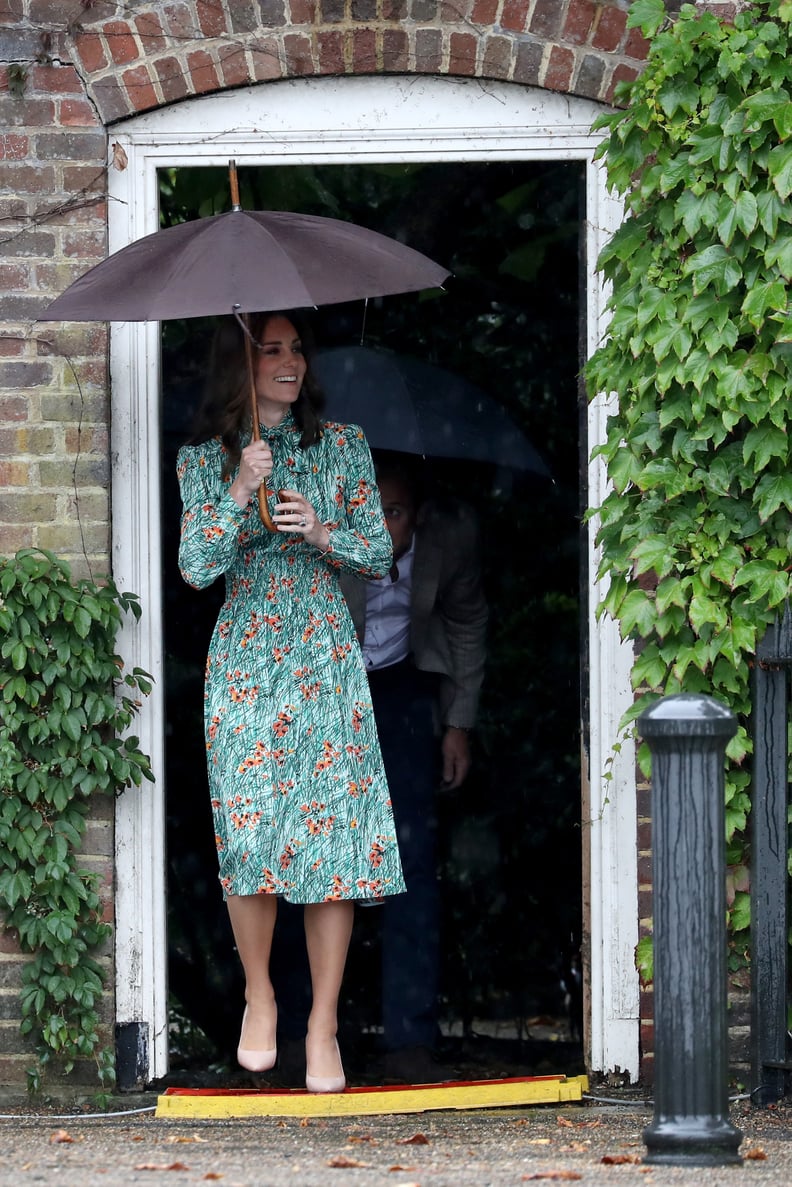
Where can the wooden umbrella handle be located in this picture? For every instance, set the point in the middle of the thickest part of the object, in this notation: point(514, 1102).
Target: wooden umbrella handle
point(233, 183)
point(266, 518)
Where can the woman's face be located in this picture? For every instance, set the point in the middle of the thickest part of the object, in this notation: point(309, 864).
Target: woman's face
point(280, 368)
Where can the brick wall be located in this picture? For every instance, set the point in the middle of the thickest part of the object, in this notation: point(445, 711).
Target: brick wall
point(53, 383)
point(67, 72)
point(645, 919)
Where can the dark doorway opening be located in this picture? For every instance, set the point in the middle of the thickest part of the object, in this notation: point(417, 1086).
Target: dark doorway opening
point(510, 869)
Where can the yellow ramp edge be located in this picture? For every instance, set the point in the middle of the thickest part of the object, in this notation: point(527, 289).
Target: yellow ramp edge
point(355, 1102)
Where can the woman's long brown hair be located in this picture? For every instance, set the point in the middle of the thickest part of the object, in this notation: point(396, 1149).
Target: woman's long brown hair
point(225, 410)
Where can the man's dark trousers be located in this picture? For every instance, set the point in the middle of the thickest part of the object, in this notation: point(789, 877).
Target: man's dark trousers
point(404, 706)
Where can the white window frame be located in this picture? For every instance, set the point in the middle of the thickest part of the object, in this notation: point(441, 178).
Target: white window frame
point(353, 121)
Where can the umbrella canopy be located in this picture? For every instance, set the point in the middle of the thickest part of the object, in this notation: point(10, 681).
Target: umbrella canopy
point(244, 261)
point(411, 406)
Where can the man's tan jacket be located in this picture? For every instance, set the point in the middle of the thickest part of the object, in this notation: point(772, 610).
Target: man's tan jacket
point(449, 613)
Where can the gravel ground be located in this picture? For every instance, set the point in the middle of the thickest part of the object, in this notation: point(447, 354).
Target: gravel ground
point(591, 1144)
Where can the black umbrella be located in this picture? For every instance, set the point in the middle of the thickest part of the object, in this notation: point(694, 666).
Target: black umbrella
point(240, 262)
point(413, 407)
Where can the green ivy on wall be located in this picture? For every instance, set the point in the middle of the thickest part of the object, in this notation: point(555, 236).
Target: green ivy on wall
point(696, 532)
point(65, 704)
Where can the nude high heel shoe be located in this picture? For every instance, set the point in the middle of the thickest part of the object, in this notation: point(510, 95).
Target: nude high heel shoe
point(325, 1083)
point(255, 1061)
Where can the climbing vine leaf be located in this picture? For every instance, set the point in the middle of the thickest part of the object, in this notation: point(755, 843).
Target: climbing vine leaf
point(66, 703)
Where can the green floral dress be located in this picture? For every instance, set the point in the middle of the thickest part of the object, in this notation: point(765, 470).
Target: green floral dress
point(299, 795)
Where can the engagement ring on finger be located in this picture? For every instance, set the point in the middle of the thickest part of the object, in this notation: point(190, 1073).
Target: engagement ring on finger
point(302, 522)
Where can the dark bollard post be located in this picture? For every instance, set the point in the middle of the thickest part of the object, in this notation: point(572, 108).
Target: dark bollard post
point(687, 735)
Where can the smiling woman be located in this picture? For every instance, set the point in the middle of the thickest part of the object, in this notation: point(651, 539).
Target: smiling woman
point(289, 730)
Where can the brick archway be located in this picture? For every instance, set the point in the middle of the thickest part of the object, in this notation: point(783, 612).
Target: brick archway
point(165, 53)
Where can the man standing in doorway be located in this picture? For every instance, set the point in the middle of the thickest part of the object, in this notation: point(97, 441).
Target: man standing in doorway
point(423, 633)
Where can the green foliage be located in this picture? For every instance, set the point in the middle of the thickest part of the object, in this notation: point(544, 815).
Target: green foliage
point(696, 534)
point(644, 959)
point(65, 704)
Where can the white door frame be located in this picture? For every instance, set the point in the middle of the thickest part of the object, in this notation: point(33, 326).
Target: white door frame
point(351, 121)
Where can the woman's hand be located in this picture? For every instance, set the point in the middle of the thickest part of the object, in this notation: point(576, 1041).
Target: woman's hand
point(295, 514)
point(255, 466)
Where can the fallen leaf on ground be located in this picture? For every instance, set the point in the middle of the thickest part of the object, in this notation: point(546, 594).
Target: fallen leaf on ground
point(213, 1175)
point(418, 1139)
point(566, 1176)
point(184, 1137)
point(539, 1142)
point(619, 1159)
point(756, 1153)
point(357, 1139)
point(306, 1121)
point(60, 1135)
point(161, 1166)
point(404, 1169)
point(567, 1124)
point(342, 1161)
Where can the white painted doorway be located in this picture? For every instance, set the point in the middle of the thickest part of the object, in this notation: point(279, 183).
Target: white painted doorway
point(351, 121)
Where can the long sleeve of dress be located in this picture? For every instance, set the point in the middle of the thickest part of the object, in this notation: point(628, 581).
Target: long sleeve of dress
point(360, 542)
point(336, 476)
point(211, 519)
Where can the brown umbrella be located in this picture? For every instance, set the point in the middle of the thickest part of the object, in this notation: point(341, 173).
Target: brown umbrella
point(244, 261)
